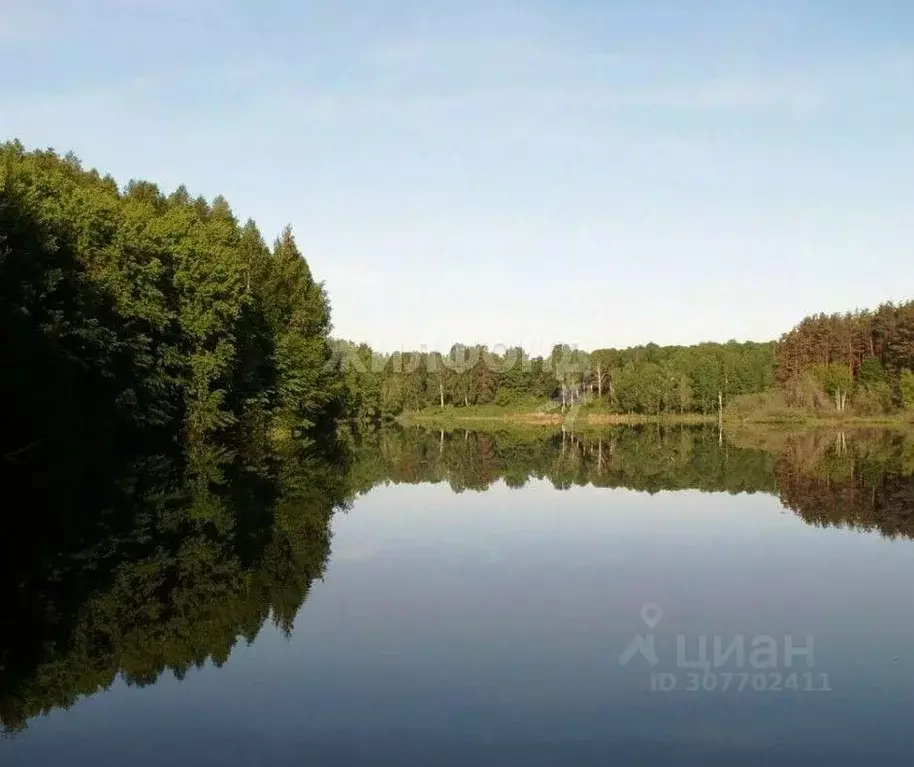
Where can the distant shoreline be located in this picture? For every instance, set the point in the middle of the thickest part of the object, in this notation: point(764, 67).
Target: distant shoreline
point(495, 414)
point(551, 419)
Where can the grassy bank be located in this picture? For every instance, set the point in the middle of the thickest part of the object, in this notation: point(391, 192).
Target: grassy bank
point(455, 415)
point(593, 415)
point(825, 420)
point(547, 416)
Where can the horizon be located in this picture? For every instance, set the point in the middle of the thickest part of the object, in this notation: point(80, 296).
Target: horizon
point(521, 173)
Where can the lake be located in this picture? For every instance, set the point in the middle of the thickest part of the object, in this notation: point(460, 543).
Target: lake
point(519, 597)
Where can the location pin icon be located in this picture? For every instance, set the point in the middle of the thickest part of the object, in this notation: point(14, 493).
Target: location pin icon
point(651, 614)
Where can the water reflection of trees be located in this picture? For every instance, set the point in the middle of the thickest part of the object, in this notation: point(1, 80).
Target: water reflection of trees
point(860, 479)
point(647, 458)
point(157, 563)
point(160, 562)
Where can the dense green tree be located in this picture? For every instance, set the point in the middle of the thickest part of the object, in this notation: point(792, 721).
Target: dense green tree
point(160, 310)
point(906, 388)
point(649, 379)
point(873, 347)
point(836, 380)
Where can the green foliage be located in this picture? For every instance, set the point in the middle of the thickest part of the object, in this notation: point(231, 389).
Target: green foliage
point(906, 388)
point(132, 309)
point(367, 396)
point(873, 390)
point(872, 373)
point(865, 352)
point(835, 380)
point(648, 380)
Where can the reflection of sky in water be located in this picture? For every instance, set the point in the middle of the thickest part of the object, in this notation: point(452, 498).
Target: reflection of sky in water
point(451, 629)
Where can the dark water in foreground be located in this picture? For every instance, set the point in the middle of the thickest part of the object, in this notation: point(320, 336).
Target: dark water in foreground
point(465, 598)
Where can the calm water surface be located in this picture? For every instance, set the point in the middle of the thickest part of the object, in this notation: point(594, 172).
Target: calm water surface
point(474, 605)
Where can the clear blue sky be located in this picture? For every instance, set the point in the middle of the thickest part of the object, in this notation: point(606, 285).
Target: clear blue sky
point(594, 172)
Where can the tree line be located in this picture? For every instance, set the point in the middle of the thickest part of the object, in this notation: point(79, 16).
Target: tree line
point(130, 309)
point(859, 363)
point(649, 379)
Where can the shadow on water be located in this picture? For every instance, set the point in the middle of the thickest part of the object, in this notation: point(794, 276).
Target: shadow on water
point(131, 563)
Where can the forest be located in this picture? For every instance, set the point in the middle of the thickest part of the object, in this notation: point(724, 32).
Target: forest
point(861, 361)
point(853, 364)
point(135, 312)
point(647, 379)
point(139, 313)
